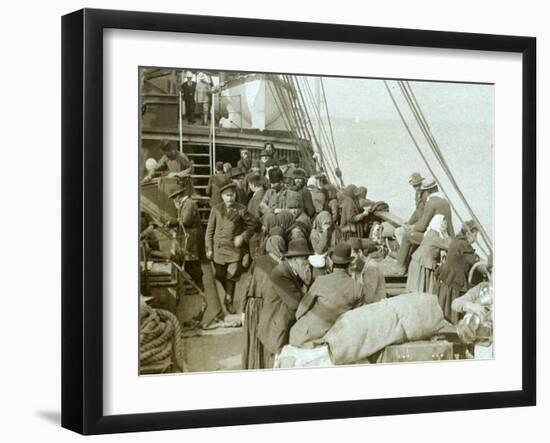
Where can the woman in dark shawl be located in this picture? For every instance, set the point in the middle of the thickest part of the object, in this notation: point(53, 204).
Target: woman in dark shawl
point(254, 355)
point(351, 215)
point(285, 219)
point(324, 235)
point(451, 280)
point(258, 240)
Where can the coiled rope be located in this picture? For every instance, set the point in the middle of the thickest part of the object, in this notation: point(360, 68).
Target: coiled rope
point(161, 342)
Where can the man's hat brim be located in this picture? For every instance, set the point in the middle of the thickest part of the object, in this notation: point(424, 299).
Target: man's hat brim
point(298, 253)
point(228, 186)
point(341, 260)
point(176, 193)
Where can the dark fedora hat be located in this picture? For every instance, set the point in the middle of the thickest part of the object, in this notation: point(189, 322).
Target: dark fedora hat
point(178, 191)
point(298, 248)
point(342, 254)
point(275, 175)
point(237, 172)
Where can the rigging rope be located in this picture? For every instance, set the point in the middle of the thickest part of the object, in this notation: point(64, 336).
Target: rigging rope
point(273, 84)
point(309, 125)
point(329, 142)
point(323, 133)
point(328, 117)
point(424, 157)
point(423, 123)
point(299, 115)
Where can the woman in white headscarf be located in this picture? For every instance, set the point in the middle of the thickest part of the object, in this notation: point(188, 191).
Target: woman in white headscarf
point(428, 256)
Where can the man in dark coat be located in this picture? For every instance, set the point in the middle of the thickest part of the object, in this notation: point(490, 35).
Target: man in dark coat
point(188, 95)
point(189, 235)
point(245, 161)
point(299, 178)
point(229, 227)
point(436, 203)
point(258, 192)
point(289, 280)
point(329, 297)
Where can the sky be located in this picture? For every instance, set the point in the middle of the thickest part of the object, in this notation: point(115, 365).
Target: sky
point(444, 102)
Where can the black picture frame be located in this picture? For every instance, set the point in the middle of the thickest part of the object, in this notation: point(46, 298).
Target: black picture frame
point(82, 220)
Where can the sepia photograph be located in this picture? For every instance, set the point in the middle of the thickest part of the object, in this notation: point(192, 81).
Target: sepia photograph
point(294, 221)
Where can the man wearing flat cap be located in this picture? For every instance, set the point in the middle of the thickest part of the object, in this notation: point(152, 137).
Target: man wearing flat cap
point(288, 283)
point(329, 297)
point(420, 196)
point(229, 227)
point(189, 232)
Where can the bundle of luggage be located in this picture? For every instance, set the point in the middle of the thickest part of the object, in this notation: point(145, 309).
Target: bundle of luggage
point(399, 329)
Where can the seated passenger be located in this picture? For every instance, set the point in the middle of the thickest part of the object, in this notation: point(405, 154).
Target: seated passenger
point(329, 297)
point(289, 281)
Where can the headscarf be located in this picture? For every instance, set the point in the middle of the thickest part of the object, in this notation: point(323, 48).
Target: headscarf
point(312, 182)
point(322, 218)
point(349, 191)
point(285, 219)
point(436, 224)
point(361, 192)
point(277, 230)
point(270, 221)
point(276, 246)
point(299, 226)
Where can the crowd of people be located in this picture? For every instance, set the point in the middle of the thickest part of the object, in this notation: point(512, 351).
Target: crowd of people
point(305, 243)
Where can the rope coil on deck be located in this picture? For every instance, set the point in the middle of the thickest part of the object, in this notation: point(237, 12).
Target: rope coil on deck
point(161, 342)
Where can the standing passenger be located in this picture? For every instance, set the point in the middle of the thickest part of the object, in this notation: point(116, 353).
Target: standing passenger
point(203, 91)
point(424, 260)
point(188, 93)
point(254, 354)
point(229, 227)
point(189, 230)
point(452, 277)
